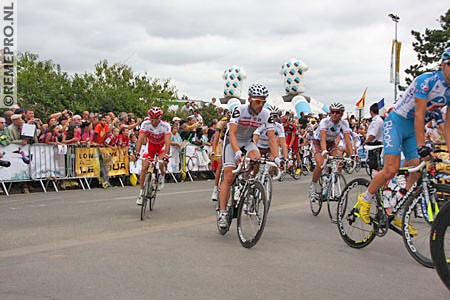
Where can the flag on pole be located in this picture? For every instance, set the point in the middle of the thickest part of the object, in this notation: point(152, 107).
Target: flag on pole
point(381, 109)
point(381, 104)
point(361, 103)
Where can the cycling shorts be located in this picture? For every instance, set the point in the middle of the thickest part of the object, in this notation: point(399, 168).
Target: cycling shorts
point(331, 146)
point(228, 153)
point(398, 136)
point(153, 150)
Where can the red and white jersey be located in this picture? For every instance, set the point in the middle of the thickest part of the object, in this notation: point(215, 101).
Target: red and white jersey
point(155, 135)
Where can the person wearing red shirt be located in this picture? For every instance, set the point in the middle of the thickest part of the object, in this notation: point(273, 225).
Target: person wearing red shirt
point(290, 130)
point(100, 131)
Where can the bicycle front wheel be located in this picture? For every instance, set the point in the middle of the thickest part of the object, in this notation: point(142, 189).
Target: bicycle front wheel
point(333, 196)
point(154, 188)
point(145, 195)
point(352, 229)
point(419, 215)
point(316, 204)
point(268, 188)
point(252, 214)
point(440, 244)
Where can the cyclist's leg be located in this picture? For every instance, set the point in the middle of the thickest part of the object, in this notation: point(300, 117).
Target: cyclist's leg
point(228, 166)
point(395, 128)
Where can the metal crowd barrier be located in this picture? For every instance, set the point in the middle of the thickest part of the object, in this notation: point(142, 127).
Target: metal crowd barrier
point(47, 164)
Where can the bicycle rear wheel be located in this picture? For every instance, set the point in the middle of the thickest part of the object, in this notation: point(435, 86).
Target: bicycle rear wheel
point(421, 219)
point(440, 244)
point(252, 215)
point(145, 195)
point(352, 229)
point(316, 204)
point(333, 197)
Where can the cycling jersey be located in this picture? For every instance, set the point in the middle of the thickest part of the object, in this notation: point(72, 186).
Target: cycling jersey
point(248, 123)
point(430, 86)
point(263, 141)
point(332, 131)
point(155, 135)
point(288, 130)
point(246, 126)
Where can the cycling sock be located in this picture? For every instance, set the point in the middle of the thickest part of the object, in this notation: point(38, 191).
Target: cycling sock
point(314, 186)
point(224, 213)
point(140, 192)
point(368, 197)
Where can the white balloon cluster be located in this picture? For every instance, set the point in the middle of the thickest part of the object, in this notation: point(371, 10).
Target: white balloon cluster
point(293, 72)
point(233, 76)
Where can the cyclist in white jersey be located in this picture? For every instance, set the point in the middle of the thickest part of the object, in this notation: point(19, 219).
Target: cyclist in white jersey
point(324, 142)
point(404, 130)
point(157, 133)
point(245, 119)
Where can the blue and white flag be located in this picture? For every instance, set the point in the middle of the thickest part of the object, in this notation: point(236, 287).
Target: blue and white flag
point(381, 107)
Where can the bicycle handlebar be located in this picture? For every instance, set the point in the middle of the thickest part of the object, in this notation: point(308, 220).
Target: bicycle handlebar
point(372, 147)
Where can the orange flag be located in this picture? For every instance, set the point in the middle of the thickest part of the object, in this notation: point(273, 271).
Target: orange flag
point(362, 101)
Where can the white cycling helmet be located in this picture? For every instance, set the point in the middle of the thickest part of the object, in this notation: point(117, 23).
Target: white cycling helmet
point(258, 90)
point(337, 106)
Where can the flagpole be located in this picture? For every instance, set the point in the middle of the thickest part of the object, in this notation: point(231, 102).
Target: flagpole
point(395, 18)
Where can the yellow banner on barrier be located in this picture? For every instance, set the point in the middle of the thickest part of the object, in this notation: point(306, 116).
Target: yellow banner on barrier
point(116, 160)
point(87, 162)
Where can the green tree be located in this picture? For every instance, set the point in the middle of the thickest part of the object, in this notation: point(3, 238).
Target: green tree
point(45, 88)
point(41, 84)
point(429, 47)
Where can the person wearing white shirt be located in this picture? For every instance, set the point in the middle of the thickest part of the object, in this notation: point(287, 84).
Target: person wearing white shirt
point(374, 136)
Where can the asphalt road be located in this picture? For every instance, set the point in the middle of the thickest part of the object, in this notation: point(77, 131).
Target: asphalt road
point(92, 245)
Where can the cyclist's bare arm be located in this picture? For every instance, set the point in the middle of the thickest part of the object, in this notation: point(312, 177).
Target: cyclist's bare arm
point(348, 144)
point(232, 131)
point(419, 121)
point(272, 142)
point(140, 142)
point(447, 128)
point(284, 149)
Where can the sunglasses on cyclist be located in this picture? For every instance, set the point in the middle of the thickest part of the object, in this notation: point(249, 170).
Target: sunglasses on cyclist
point(336, 112)
point(259, 101)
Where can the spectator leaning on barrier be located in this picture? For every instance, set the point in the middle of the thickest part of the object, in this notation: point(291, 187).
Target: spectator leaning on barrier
point(15, 130)
point(5, 138)
point(101, 130)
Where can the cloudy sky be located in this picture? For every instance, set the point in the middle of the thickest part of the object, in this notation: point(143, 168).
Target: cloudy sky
point(345, 43)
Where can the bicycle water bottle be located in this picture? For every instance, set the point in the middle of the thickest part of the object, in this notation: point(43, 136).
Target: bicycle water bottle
point(326, 178)
point(387, 197)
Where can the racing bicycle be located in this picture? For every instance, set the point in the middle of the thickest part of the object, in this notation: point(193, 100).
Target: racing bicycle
point(150, 185)
point(331, 185)
point(440, 244)
point(248, 205)
point(420, 205)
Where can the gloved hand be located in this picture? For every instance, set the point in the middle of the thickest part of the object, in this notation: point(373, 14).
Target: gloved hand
point(237, 155)
point(424, 151)
point(277, 160)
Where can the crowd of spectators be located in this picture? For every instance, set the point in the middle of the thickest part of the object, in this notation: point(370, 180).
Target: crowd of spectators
point(97, 129)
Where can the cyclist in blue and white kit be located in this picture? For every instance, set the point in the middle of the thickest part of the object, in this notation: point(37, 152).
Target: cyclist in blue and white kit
point(404, 130)
point(324, 142)
point(245, 119)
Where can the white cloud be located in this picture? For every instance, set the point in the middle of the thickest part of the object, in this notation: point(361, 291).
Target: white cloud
point(345, 43)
